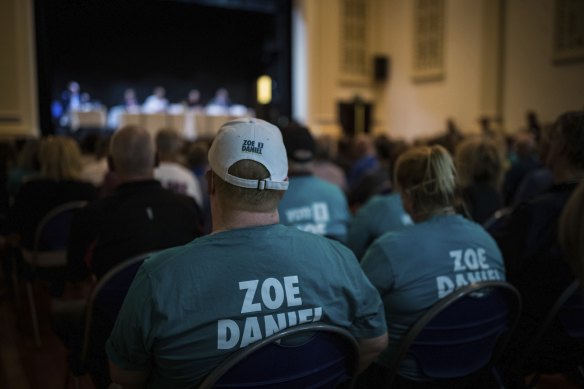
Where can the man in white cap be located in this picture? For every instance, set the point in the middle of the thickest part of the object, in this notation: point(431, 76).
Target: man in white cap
point(192, 306)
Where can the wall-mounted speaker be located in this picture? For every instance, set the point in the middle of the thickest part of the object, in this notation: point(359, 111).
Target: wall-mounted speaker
point(380, 68)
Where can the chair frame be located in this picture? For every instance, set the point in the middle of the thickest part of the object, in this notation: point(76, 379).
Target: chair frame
point(444, 303)
point(32, 259)
point(89, 308)
point(224, 367)
point(552, 314)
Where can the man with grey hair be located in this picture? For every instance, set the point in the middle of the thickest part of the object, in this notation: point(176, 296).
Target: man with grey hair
point(189, 308)
point(140, 216)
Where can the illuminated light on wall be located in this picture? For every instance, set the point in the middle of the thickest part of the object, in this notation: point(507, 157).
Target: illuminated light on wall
point(264, 89)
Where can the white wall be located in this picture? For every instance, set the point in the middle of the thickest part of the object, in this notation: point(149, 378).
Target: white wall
point(420, 109)
point(403, 108)
point(532, 80)
point(495, 66)
point(18, 101)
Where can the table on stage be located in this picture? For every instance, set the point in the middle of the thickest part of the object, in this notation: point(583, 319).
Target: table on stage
point(91, 118)
point(191, 124)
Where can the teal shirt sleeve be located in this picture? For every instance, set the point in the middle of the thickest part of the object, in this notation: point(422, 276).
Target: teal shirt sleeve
point(130, 343)
point(378, 269)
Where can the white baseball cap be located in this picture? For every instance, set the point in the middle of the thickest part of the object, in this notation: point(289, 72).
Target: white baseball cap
point(252, 139)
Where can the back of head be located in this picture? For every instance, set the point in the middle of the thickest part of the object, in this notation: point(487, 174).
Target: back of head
point(169, 144)
point(427, 175)
point(300, 146)
point(478, 160)
point(363, 145)
point(60, 158)
point(132, 152)
point(524, 144)
point(249, 163)
point(28, 156)
point(570, 129)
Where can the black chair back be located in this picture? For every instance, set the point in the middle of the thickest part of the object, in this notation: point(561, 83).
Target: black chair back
point(314, 355)
point(568, 311)
point(462, 333)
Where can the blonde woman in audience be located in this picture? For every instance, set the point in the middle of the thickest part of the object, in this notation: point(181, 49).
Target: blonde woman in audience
point(571, 234)
point(58, 182)
point(480, 170)
point(414, 267)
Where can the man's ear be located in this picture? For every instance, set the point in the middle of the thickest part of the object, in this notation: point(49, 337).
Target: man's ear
point(110, 164)
point(156, 160)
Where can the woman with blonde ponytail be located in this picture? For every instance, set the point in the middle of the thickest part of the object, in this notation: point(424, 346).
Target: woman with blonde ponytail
point(414, 267)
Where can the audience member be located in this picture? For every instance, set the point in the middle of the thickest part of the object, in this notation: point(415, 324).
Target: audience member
point(311, 204)
point(538, 180)
point(8, 156)
point(171, 171)
point(414, 267)
point(528, 240)
point(96, 168)
point(199, 164)
point(480, 168)
point(364, 159)
point(156, 102)
point(323, 166)
point(27, 166)
point(523, 161)
point(571, 232)
point(369, 173)
point(139, 217)
point(191, 307)
point(59, 182)
point(380, 214)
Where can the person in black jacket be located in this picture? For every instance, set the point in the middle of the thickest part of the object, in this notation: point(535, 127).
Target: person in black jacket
point(139, 217)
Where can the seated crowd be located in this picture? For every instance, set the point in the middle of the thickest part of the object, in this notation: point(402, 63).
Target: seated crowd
point(263, 228)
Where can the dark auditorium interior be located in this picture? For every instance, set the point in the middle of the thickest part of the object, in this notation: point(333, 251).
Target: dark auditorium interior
point(409, 126)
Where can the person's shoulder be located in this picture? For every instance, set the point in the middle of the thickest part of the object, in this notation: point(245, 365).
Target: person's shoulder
point(314, 241)
point(173, 169)
point(180, 199)
point(166, 258)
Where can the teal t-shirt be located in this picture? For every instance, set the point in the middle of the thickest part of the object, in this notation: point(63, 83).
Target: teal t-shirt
point(314, 205)
point(414, 267)
point(190, 307)
point(380, 214)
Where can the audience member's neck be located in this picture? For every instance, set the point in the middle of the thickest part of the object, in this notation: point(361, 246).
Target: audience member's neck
point(230, 219)
point(420, 217)
point(300, 169)
point(127, 178)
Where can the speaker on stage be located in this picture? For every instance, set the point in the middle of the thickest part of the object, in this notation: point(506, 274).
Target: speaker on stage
point(380, 68)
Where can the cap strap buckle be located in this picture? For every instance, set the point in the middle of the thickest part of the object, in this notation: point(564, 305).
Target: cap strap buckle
point(261, 185)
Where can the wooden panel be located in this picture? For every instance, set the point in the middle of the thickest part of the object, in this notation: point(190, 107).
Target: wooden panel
point(18, 105)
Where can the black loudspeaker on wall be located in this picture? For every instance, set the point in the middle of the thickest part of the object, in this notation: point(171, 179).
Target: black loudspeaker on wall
point(380, 68)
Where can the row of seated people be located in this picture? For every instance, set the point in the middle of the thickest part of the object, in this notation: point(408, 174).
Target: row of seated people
point(427, 184)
